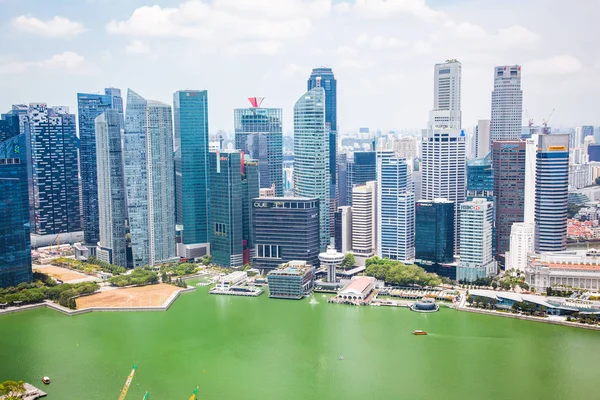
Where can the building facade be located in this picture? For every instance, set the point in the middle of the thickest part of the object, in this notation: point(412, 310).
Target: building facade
point(285, 229)
point(90, 106)
point(434, 239)
point(507, 104)
point(149, 176)
point(192, 178)
point(258, 134)
point(482, 138)
point(446, 112)
point(311, 156)
point(395, 209)
point(509, 161)
point(551, 193)
point(292, 280)
point(476, 258)
point(521, 245)
point(364, 220)
point(343, 229)
point(576, 269)
point(112, 206)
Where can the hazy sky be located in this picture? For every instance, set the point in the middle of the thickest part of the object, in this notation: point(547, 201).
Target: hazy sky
point(382, 52)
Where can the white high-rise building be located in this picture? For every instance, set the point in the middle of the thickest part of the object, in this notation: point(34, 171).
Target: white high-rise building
point(476, 257)
point(507, 104)
point(521, 244)
point(446, 112)
point(364, 218)
point(395, 209)
point(482, 138)
point(443, 147)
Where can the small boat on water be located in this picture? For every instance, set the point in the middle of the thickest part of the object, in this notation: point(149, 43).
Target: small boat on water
point(340, 358)
point(419, 332)
point(46, 380)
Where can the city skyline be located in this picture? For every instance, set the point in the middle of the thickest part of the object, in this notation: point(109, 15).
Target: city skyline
point(374, 57)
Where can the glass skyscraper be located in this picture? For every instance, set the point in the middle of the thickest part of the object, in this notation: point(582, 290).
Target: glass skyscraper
point(359, 171)
point(192, 177)
point(54, 169)
point(323, 77)
point(395, 209)
point(15, 243)
point(90, 106)
point(233, 185)
point(311, 156)
point(258, 134)
point(434, 240)
point(148, 158)
point(551, 193)
point(112, 208)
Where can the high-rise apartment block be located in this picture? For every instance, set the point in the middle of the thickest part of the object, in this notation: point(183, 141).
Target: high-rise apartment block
point(311, 155)
point(551, 193)
point(90, 106)
point(112, 205)
point(149, 176)
point(507, 104)
point(258, 134)
point(192, 178)
point(434, 239)
point(476, 258)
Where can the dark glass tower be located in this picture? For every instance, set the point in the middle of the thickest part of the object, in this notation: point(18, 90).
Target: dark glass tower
point(435, 230)
point(355, 172)
point(232, 181)
point(258, 134)
point(15, 244)
point(191, 165)
point(285, 229)
point(90, 106)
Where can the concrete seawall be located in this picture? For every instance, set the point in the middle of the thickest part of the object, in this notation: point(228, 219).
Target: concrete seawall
point(530, 318)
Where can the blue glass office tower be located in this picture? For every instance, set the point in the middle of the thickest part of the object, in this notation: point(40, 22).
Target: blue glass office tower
point(90, 106)
point(359, 171)
point(434, 240)
point(15, 244)
point(192, 177)
point(551, 192)
point(311, 156)
point(150, 190)
point(480, 184)
point(323, 77)
point(258, 134)
point(344, 181)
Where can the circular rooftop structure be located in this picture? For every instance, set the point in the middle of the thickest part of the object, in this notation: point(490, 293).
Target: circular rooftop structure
point(426, 304)
point(331, 256)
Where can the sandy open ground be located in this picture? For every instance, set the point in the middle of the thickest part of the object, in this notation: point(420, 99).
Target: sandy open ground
point(143, 296)
point(63, 274)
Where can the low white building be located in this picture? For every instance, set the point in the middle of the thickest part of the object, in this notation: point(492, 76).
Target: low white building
point(358, 289)
point(576, 269)
point(233, 279)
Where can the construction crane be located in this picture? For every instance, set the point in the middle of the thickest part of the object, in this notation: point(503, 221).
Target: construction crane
point(128, 383)
point(193, 396)
point(529, 122)
point(545, 122)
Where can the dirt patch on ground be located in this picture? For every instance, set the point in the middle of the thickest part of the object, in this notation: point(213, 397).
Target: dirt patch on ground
point(143, 296)
point(63, 274)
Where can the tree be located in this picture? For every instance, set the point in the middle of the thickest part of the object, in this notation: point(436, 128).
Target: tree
point(12, 390)
point(348, 261)
point(206, 260)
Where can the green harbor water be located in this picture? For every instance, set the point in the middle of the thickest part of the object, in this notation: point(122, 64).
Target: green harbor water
point(261, 348)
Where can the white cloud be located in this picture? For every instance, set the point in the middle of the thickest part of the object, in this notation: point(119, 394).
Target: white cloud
point(355, 63)
point(137, 47)
point(55, 27)
point(556, 65)
point(269, 47)
point(346, 51)
point(379, 42)
point(294, 69)
point(389, 8)
point(276, 9)
point(67, 61)
point(475, 37)
point(422, 47)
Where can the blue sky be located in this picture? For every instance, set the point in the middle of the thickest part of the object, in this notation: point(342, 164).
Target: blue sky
point(382, 52)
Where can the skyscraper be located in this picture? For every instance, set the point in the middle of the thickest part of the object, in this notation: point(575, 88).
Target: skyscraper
point(359, 171)
point(364, 220)
point(54, 167)
point(551, 193)
point(323, 77)
point(112, 207)
point(285, 229)
point(311, 156)
point(508, 160)
point(480, 178)
point(233, 186)
point(15, 243)
point(476, 258)
point(89, 107)
point(344, 180)
point(443, 146)
point(395, 209)
point(507, 104)
point(343, 229)
point(148, 156)
point(258, 134)
point(192, 179)
point(482, 138)
point(434, 239)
